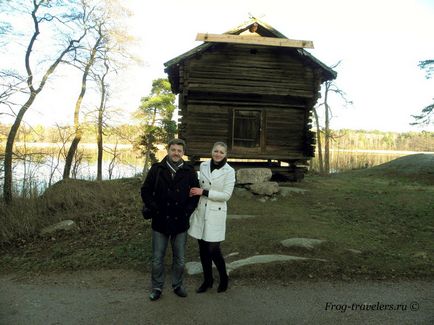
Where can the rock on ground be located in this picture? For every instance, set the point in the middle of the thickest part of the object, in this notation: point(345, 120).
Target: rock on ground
point(196, 267)
point(261, 259)
point(286, 191)
point(306, 243)
point(66, 225)
point(253, 175)
point(265, 188)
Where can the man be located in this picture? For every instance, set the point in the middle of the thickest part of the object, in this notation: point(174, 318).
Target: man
point(166, 192)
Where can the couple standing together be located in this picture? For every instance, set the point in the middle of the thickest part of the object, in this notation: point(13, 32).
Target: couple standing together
point(181, 203)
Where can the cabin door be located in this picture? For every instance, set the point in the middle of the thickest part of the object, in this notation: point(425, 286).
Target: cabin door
point(246, 130)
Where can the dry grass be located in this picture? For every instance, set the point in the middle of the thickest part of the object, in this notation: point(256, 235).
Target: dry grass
point(67, 199)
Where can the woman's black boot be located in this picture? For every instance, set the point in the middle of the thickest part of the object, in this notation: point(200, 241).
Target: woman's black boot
point(206, 261)
point(205, 286)
point(223, 286)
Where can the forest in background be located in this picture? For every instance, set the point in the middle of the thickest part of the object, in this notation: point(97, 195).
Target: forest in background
point(128, 133)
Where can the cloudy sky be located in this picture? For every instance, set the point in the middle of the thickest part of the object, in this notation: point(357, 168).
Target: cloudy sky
point(379, 43)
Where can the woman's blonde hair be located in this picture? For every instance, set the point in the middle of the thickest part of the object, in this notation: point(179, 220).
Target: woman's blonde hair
point(221, 144)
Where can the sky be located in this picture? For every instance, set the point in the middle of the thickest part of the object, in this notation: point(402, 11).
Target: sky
point(379, 44)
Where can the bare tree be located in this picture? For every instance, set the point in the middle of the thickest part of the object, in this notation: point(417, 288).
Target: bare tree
point(114, 56)
point(78, 131)
point(318, 141)
point(100, 119)
point(330, 87)
point(39, 16)
point(109, 53)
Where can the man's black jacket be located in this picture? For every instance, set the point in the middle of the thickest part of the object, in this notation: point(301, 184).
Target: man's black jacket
point(171, 204)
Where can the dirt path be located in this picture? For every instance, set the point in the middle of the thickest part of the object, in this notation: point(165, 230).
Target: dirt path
point(120, 297)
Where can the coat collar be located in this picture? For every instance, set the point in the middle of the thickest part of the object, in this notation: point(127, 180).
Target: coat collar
point(185, 166)
point(215, 172)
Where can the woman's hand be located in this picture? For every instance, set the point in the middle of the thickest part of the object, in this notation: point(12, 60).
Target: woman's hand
point(196, 191)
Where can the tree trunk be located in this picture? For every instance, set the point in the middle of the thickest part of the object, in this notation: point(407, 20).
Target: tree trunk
point(99, 135)
point(70, 155)
point(327, 132)
point(100, 147)
point(7, 187)
point(318, 140)
point(100, 121)
point(78, 133)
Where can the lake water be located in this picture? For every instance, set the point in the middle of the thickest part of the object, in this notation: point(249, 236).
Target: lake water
point(33, 174)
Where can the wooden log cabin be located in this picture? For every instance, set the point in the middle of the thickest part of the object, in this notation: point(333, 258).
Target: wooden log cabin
point(252, 88)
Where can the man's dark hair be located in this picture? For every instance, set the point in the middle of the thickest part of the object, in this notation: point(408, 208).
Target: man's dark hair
point(179, 142)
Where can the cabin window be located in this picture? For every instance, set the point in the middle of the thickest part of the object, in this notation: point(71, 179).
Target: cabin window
point(247, 128)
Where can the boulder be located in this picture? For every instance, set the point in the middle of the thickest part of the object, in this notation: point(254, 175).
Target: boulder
point(196, 267)
point(65, 225)
point(253, 175)
point(306, 243)
point(193, 268)
point(264, 188)
point(262, 259)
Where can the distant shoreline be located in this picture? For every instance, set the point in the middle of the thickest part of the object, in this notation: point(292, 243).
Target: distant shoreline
point(124, 146)
point(381, 151)
point(82, 145)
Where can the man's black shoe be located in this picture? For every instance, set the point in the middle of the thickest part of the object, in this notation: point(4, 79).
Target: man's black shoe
point(155, 295)
point(180, 292)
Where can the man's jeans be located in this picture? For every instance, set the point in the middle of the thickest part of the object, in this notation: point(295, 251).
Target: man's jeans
point(159, 246)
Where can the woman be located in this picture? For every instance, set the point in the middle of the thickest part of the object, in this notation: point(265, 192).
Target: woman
point(208, 221)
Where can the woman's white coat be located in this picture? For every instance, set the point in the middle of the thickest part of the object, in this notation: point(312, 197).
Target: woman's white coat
point(208, 221)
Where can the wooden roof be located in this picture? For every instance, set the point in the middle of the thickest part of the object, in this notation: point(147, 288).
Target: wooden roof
point(262, 29)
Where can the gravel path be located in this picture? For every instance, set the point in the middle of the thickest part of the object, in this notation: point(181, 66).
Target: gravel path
point(120, 297)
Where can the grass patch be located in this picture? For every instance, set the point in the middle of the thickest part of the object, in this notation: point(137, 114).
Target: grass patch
point(79, 200)
point(389, 220)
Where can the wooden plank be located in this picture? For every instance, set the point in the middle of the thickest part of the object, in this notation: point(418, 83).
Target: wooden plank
point(236, 83)
point(246, 62)
point(251, 73)
point(275, 103)
point(250, 105)
point(235, 79)
point(241, 89)
point(268, 41)
point(216, 111)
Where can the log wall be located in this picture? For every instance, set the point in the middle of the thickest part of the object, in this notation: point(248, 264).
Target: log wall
point(227, 77)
